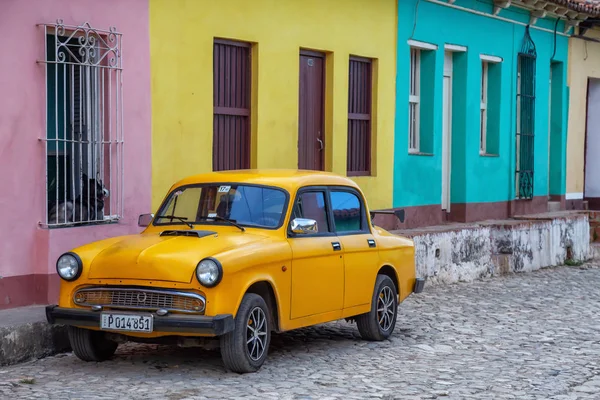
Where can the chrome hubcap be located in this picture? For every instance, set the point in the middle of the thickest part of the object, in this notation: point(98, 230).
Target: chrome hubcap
point(386, 309)
point(256, 334)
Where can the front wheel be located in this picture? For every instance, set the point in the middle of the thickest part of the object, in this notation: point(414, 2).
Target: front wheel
point(90, 345)
point(245, 348)
point(378, 324)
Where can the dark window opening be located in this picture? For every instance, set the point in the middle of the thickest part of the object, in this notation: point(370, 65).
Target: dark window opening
point(84, 133)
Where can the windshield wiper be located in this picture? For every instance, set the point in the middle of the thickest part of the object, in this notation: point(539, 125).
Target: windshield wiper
point(182, 219)
point(231, 221)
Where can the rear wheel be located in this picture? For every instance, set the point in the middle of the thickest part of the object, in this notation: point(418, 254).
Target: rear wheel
point(91, 345)
point(379, 323)
point(245, 348)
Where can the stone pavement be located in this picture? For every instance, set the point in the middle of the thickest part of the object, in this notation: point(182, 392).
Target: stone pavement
point(524, 336)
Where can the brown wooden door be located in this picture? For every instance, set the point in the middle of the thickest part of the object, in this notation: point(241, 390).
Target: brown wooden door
point(311, 138)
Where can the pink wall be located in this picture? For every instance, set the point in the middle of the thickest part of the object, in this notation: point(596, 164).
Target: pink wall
point(25, 248)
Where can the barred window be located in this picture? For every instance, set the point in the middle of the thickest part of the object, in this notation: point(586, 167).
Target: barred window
point(84, 125)
point(526, 66)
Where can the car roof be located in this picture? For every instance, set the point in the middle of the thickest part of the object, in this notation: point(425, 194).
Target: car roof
point(289, 179)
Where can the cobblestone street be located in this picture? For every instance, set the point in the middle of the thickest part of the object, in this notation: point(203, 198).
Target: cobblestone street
point(527, 336)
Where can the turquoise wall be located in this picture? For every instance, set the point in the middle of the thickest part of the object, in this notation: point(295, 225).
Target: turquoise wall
point(477, 178)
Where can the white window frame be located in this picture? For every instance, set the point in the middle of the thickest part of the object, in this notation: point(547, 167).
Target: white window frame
point(414, 100)
point(414, 93)
point(483, 108)
point(486, 60)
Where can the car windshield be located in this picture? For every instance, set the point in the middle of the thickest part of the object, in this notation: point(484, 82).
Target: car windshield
point(246, 205)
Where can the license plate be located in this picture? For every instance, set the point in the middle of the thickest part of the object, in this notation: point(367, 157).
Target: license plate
point(126, 322)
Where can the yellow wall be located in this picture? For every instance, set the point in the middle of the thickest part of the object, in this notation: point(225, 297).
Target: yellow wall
point(584, 63)
point(182, 34)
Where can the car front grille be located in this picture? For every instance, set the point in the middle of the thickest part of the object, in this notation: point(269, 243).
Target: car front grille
point(140, 299)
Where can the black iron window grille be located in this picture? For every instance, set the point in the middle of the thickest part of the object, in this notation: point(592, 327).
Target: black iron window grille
point(526, 63)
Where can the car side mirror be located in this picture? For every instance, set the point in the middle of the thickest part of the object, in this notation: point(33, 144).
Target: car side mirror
point(145, 219)
point(304, 226)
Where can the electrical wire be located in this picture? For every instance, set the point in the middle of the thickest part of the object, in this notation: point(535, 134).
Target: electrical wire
point(555, 26)
point(415, 22)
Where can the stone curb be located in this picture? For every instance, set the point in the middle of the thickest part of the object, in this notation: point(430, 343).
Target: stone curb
point(30, 341)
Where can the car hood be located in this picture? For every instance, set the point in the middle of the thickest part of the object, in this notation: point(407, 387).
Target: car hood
point(168, 256)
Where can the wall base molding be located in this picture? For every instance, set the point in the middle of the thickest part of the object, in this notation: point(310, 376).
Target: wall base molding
point(430, 215)
point(26, 290)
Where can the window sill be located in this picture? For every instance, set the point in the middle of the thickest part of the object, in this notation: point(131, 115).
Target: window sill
point(488, 155)
point(418, 153)
point(354, 174)
point(79, 224)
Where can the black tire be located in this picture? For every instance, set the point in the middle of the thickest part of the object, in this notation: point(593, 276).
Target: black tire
point(235, 347)
point(91, 345)
point(369, 324)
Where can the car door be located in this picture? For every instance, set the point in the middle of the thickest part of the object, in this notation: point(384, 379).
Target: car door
point(361, 256)
point(317, 262)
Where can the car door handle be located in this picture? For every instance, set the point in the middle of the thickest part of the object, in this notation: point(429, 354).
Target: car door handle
point(336, 246)
point(371, 243)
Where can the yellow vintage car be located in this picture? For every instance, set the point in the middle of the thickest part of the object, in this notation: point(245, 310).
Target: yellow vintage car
point(230, 257)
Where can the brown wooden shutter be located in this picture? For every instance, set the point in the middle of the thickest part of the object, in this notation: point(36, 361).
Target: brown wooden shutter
point(359, 117)
point(231, 100)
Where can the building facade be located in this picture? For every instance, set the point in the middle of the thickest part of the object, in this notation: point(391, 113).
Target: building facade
point(583, 179)
point(481, 109)
point(74, 133)
point(263, 84)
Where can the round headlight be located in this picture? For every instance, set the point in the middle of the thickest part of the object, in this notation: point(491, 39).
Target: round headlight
point(209, 272)
point(68, 266)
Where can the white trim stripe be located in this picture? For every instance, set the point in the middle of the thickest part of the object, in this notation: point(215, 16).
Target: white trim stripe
point(573, 196)
point(455, 47)
point(493, 59)
point(422, 45)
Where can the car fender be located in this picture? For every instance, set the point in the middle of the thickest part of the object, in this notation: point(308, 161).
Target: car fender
point(267, 278)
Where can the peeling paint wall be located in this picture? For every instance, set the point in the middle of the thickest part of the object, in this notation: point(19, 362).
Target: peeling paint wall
point(491, 249)
point(454, 256)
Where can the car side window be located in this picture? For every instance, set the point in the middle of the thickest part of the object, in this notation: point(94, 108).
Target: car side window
point(312, 205)
point(347, 211)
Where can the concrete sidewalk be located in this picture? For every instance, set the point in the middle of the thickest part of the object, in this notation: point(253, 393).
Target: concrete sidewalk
point(25, 335)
